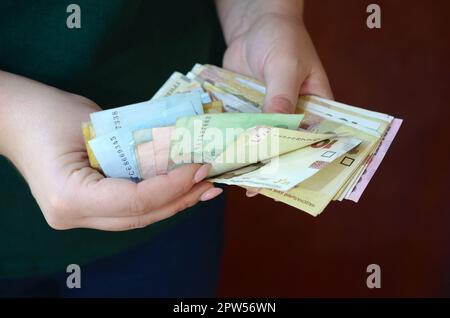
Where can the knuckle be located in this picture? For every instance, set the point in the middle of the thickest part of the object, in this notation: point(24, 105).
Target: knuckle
point(57, 224)
point(184, 204)
point(280, 104)
point(141, 204)
point(139, 223)
point(59, 212)
point(185, 187)
point(131, 226)
point(179, 185)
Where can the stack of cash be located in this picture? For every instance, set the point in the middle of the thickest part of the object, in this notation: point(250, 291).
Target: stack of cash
point(325, 151)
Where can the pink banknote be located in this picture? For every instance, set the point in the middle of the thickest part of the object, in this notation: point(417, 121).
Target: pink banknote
point(375, 161)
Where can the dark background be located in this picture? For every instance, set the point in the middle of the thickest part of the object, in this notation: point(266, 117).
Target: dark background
point(402, 221)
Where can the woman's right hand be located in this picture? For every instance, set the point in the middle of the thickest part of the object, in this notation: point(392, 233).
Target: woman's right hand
point(40, 133)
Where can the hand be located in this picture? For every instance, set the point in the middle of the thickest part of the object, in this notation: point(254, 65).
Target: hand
point(40, 133)
point(276, 49)
point(267, 40)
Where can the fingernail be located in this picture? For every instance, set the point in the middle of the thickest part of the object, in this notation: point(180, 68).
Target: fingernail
point(211, 194)
point(202, 173)
point(251, 194)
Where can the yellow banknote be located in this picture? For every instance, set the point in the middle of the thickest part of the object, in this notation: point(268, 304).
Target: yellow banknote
point(314, 194)
point(88, 134)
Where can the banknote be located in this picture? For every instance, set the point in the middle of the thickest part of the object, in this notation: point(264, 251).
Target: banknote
point(88, 134)
point(151, 113)
point(200, 139)
point(230, 103)
point(367, 118)
point(257, 144)
point(153, 156)
point(244, 88)
point(113, 146)
point(178, 83)
point(326, 151)
point(252, 91)
point(362, 117)
point(115, 154)
point(314, 194)
point(316, 122)
point(356, 191)
point(264, 144)
point(132, 138)
point(287, 170)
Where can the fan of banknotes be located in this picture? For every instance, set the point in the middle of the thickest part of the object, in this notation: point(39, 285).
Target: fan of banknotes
point(325, 151)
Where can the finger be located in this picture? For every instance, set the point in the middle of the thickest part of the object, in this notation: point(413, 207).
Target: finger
point(234, 60)
point(119, 197)
point(317, 84)
point(133, 222)
point(283, 77)
point(166, 188)
point(251, 192)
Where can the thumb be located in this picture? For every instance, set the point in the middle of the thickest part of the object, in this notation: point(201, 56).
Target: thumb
point(283, 79)
point(317, 84)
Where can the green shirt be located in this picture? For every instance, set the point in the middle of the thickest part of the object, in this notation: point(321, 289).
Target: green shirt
point(123, 52)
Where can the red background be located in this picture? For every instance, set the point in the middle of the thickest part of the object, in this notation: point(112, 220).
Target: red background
point(402, 220)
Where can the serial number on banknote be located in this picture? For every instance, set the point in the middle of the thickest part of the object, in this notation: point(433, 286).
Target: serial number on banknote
point(123, 158)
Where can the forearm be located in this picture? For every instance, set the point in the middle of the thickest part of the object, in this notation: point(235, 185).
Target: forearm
point(236, 16)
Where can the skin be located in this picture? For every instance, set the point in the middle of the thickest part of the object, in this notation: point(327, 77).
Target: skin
point(40, 134)
point(268, 40)
point(40, 125)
